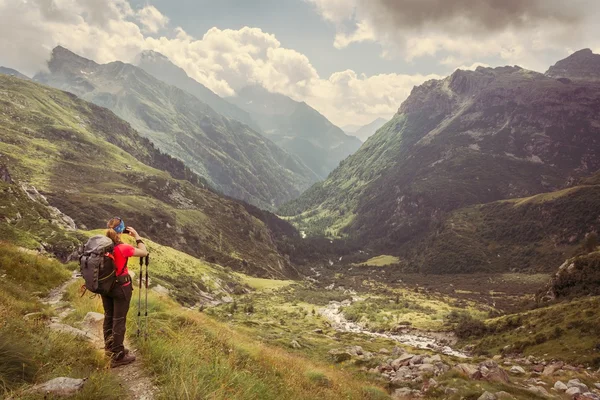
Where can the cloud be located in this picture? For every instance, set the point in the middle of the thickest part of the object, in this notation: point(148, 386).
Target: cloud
point(518, 31)
point(225, 60)
point(152, 19)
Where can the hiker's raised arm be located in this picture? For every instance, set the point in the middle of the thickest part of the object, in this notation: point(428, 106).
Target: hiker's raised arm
point(141, 250)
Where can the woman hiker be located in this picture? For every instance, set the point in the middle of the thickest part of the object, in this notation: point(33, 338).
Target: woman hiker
point(116, 302)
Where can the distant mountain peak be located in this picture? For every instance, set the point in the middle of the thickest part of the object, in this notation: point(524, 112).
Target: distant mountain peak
point(13, 72)
point(581, 65)
point(62, 57)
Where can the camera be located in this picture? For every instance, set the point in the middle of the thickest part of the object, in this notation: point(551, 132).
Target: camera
point(126, 231)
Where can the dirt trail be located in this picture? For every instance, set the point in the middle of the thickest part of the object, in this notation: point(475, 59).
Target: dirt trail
point(133, 377)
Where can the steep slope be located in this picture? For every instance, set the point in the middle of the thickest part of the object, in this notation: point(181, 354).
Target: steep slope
point(160, 67)
point(474, 137)
point(581, 65)
point(63, 152)
point(298, 128)
point(365, 132)
point(233, 158)
point(12, 72)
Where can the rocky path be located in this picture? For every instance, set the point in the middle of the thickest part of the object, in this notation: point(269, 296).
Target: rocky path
point(333, 313)
point(133, 377)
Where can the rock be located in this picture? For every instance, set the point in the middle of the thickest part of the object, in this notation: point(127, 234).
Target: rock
point(576, 383)
point(160, 290)
point(597, 385)
point(339, 356)
point(319, 331)
point(572, 391)
point(494, 374)
point(426, 368)
point(539, 368)
point(416, 360)
point(505, 396)
point(433, 383)
point(396, 351)
point(517, 370)
point(450, 391)
point(55, 326)
point(551, 369)
point(384, 351)
point(355, 350)
point(92, 322)
point(587, 396)
point(226, 299)
point(538, 390)
point(60, 386)
point(466, 369)
point(295, 345)
point(403, 393)
point(561, 387)
point(404, 358)
point(33, 315)
point(497, 357)
point(487, 396)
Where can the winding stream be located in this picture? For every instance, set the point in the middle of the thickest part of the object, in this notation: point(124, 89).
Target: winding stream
point(334, 314)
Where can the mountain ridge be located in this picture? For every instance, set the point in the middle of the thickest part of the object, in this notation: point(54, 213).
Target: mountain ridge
point(474, 137)
point(298, 128)
point(234, 159)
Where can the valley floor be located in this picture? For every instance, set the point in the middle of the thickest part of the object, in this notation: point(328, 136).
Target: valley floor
point(337, 337)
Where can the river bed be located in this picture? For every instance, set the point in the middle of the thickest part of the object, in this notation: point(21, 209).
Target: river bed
point(333, 313)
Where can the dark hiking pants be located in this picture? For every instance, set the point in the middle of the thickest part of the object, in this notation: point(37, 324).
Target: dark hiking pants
point(116, 306)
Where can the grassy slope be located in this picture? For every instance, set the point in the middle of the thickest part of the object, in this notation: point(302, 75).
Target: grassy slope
point(533, 234)
point(30, 352)
point(64, 147)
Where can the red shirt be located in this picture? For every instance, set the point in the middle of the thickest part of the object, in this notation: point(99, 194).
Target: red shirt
point(122, 253)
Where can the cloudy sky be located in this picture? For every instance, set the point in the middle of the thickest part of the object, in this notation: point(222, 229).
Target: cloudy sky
point(353, 60)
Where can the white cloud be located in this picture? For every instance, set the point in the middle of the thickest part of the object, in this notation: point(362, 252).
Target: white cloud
point(223, 60)
point(517, 31)
point(152, 19)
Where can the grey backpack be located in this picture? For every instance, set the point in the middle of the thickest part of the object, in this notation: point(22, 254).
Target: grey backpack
point(97, 264)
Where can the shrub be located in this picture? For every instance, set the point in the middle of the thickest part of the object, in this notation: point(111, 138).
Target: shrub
point(468, 326)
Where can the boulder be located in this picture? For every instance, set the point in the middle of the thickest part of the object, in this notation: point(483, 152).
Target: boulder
point(450, 391)
point(60, 387)
point(295, 345)
point(339, 356)
point(572, 391)
point(426, 368)
point(587, 396)
point(404, 358)
point(403, 393)
point(495, 375)
point(487, 396)
point(416, 360)
point(540, 391)
point(517, 370)
point(561, 387)
point(92, 322)
point(505, 396)
point(384, 351)
point(576, 383)
point(355, 350)
point(469, 370)
point(552, 368)
point(597, 385)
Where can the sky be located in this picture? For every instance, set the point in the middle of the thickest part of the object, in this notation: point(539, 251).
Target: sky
point(352, 60)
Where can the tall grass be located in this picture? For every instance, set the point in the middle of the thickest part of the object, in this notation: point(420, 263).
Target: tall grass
point(31, 353)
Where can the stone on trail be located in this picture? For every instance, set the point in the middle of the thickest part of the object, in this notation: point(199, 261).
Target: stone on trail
point(60, 386)
point(558, 385)
point(517, 370)
point(55, 326)
point(93, 321)
point(487, 396)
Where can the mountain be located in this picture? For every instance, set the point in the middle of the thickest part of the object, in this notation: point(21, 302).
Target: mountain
point(474, 137)
point(163, 69)
point(232, 157)
point(13, 72)
point(350, 129)
point(365, 132)
point(69, 164)
point(581, 65)
point(298, 128)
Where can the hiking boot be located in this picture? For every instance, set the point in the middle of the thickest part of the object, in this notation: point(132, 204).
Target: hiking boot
point(126, 359)
point(109, 353)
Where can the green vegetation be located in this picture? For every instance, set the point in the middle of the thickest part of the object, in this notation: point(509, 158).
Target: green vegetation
point(381, 261)
point(30, 352)
point(86, 162)
point(566, 331)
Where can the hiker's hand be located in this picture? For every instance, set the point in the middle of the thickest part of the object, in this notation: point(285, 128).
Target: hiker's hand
point(133, 232)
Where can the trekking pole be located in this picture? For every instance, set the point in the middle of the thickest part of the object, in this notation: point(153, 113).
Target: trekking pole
point(146, 306)
point(140, 299)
